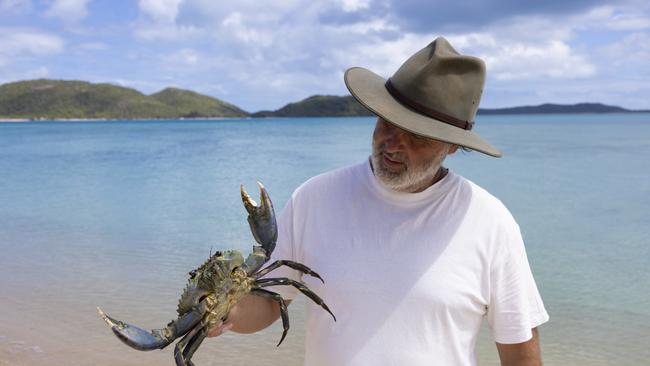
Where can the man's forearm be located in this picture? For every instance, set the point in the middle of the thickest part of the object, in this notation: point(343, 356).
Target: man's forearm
point(521, 354)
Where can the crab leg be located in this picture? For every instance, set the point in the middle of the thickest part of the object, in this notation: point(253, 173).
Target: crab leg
point(144, 340)
point(283, 262)
point(193, 345)
point(265, 282)
point(283, 308)
point(188, 341)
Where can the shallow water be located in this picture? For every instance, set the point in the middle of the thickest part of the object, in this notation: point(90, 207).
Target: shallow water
point(115, 214)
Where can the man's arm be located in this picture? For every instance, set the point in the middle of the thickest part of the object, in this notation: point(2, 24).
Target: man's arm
point(521, 354)
point(251, 314)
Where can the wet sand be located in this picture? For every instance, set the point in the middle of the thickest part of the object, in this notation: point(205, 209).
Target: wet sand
point(58, 338)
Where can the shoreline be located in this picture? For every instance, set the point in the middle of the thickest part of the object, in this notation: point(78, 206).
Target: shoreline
point(25, 120)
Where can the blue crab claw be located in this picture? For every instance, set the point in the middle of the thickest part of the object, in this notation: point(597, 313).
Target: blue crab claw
point(261, 219)
point(133, 336)
point(145, 340)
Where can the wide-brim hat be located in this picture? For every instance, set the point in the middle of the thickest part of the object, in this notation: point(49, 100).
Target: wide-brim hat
point(434, 94)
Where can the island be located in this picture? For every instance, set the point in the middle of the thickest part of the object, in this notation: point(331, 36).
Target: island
point(46, 99)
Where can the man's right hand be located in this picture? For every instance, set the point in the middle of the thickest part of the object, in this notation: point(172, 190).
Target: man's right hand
point(219, 329)
point(251, 314)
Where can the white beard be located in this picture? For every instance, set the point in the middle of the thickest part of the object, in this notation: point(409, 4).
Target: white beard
point(414, 178)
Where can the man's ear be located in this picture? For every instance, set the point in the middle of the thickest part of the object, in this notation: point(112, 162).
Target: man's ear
point(452, 149)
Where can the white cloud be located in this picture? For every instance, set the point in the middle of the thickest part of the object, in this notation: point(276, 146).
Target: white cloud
point(629, 22)
point(614, 18)
point(273, 52)
point(354, 5)
point(521, 60)
point(19, 44)
point(37, 73)
point(234, 25)
point(69, 11)
point(93, 46)
point(15, 7)
point(161, 10)
point(30, 74)
point(632, 53)
point(168, 32)
point(183, 57)
point(381, 57)
point(365, 27)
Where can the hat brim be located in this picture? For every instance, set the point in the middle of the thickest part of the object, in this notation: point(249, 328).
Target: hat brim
point(370, 90)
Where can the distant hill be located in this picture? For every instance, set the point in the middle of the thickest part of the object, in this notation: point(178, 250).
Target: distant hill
point(331, 106)
point(51, 99)
point(190, 104)
point(558, 108)
point(59, 99)
point(319, 106)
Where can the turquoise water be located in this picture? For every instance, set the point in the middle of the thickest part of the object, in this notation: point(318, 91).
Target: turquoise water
point(115, 213)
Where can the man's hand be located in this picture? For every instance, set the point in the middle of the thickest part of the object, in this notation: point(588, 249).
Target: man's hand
point(521, 354)
point(219, 329)
point(251, 314)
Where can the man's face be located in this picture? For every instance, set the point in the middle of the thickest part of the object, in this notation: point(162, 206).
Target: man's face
point(404, 161)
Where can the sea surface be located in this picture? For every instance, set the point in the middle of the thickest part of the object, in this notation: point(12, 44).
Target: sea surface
point(114, 214)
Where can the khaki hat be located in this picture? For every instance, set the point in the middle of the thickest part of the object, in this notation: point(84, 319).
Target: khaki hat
point(434, 94)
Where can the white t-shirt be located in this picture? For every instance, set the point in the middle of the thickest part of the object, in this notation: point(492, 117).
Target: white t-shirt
point(410, 277)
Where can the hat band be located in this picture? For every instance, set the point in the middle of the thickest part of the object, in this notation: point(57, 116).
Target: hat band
point(442, 117)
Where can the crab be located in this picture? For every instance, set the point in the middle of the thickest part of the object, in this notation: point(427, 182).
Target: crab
point(217, 285)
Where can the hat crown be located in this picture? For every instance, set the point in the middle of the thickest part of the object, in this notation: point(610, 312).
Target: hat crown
point(441, 79)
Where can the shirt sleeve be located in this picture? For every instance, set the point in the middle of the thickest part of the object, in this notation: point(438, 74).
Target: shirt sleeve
point(284, 249)
point(515, 303)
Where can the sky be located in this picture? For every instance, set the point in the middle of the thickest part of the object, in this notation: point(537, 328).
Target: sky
point(261, 55)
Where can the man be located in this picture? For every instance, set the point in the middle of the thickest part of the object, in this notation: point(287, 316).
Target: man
point(414, 256)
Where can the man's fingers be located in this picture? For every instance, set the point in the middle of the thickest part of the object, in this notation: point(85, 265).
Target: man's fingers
point(219, 329)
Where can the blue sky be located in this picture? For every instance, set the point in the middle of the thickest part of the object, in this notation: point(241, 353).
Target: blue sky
point(262, 54)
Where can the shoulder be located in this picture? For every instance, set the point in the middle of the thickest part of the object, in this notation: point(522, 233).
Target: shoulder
point(484, 203)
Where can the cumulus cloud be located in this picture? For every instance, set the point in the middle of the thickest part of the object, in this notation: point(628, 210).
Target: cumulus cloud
point(354, 5)
point(93, 46)
point(520, 60)
point(18, 45)
point(160, 10)
point(631, 53)
point(69, 11)
point(15, 7)
point(185, 57)
point(279, 51)
point(262, 54)
point(629, 22)
point(168, 32)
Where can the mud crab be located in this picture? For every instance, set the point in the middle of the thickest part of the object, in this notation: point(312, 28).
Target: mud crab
point(218, 284)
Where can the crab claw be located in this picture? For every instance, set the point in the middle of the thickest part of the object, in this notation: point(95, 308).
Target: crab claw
point(144, 340)
point(261, 219)
point(135, 337)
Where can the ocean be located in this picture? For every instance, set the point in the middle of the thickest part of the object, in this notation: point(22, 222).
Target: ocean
point(115, 213)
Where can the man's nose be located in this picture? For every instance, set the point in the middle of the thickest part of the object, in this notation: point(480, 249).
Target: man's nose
point(395, 139)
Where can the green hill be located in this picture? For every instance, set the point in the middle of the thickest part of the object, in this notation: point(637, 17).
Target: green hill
point(319, 106)
point(191, 104)
point(558, 108)
point(335, 106)
point(55, 99)
point(51, 99)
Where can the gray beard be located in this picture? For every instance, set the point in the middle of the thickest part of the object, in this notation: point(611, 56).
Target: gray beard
point(414, 178)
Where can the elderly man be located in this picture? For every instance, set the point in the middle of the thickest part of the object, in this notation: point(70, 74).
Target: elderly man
point(414, 256)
